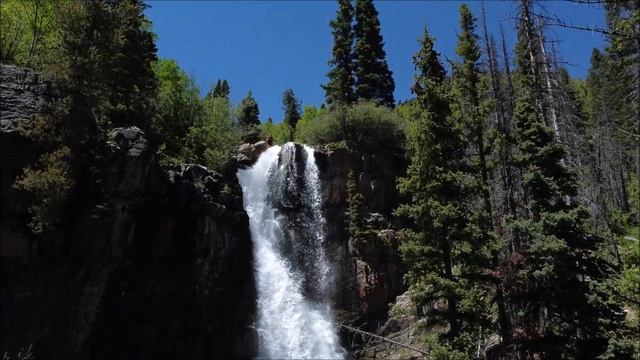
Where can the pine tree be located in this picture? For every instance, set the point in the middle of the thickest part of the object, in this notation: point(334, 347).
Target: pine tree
point(130, 76)
point(623, 18)
point(291, 107)
point(434, 185)
point(220, 90)
point(374, 81)
point(339, 89)
point(225, 90)
point(472, 110)
point(248, 112)
point(554, 273)
point(559, 313)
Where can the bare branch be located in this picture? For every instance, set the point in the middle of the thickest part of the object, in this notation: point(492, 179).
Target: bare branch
point(556, 21)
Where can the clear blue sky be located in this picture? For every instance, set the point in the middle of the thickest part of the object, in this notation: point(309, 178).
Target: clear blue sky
point(269, 46)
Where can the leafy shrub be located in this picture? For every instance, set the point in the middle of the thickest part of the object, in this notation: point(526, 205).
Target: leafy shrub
point(49, 181)
point(213, 137)
point(178, 107)
point(280, 133)
point(27, 32)
point(308, 116)
point(364, 127)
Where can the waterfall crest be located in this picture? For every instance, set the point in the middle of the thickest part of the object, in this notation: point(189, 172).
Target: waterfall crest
point(282, 198)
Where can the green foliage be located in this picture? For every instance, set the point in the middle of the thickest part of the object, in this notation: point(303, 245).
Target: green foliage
point(438, 351)
point(633, 189)
point(27, 32)
point(560, 252)
point(291, 107)
point(308, 117)
point(374, 81)
point(179, 107)
point(248, 112)
point(279, 133)
point(131, 56)
point(629, 280)
point(221, 89)
point(101, 60)
point(437, 243)
point(339, 89)
point(355, 211)
point(212, 138)
point(363, 127)
point(408, 110)
point(49, 182)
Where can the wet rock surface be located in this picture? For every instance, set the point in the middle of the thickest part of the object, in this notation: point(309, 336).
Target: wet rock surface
point(369, 274)
point(247, 154)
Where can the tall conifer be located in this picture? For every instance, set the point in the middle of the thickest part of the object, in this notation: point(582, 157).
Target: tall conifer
point(291, 107)
point(339, 89)
point(374, 81)
point(434, 185)
point(471, 110)
point(557, 305)
point(248, 111)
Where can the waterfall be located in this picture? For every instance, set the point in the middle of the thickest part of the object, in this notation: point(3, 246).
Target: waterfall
point(282, 198)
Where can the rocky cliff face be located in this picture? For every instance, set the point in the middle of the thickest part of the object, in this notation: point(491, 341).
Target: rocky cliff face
point(160, 269)
point(22, 95)
point(161, 266)
point(370, 273)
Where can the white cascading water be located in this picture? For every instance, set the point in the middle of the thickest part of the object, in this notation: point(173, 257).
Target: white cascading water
point(282, 198)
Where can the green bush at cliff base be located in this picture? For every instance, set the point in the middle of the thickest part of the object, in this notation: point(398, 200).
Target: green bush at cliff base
point(364, 127)
point(49, 182)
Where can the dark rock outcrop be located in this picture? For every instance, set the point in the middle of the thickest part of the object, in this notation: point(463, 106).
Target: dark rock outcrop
point(370, 273)
point(22, 95)
point(159, 267)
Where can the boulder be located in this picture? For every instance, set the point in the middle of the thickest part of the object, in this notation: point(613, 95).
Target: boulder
point(249, 153)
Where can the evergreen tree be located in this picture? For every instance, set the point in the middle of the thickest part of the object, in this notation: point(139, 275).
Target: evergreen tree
point(472, 110)
point(339, 89)
point(220, 90)
point(554, 275)
point(248, 111)
point(559, 312)
point(374, 81)
point(130, 76)
point(291, 107)
point(435, 186)
point(623, 19)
